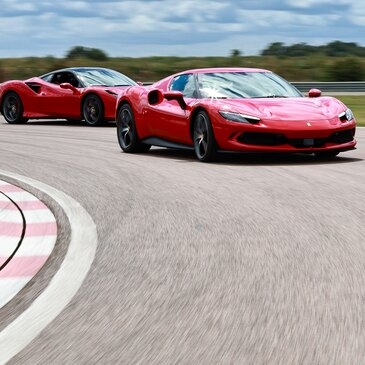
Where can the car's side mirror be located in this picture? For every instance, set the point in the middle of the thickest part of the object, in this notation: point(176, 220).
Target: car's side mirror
point(68, 86)
point(314, 93)
point(175, 95)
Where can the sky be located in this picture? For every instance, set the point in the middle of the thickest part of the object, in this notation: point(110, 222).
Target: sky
point(174, 27)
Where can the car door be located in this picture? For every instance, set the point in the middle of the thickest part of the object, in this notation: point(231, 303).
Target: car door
point(168, 120)
point(58, 102)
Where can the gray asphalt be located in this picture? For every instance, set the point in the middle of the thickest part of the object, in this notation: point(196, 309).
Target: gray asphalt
point(250, 260)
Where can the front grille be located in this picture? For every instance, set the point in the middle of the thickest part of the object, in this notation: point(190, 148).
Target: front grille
point(307, 142)
point(262, 139)
point(342, 136)
point(276, 139)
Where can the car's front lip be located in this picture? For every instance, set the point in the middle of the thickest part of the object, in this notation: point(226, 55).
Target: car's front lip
point(228, 135)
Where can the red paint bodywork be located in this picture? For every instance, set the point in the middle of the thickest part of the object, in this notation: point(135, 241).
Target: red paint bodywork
point(52, 101)
point(296, 118)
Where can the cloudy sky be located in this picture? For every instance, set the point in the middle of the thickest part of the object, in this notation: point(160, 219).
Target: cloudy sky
point(174, 27)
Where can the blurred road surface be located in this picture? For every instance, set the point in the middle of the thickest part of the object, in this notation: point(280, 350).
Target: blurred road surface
point(250, 260)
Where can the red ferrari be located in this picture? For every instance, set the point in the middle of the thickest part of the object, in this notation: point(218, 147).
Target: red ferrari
point(79, 93)
point(232, 109)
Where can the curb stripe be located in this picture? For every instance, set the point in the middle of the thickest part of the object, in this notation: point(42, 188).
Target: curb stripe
point(39, 216)
point(37, 246)
point(11, 229)
point(10, 189)
point(23, 205)
point(41, 229)
point(32, 229)
point(22, 196)
point(22, 266)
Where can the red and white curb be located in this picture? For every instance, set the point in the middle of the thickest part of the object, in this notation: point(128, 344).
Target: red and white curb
point(28, 232)
point(65, 282)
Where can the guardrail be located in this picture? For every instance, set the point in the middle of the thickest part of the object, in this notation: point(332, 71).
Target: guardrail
point(335, 87)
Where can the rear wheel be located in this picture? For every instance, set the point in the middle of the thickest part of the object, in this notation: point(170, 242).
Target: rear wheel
point(326, 154)
point(204, 142)
point(93, 110)
point(12, 109)
point(127, 132)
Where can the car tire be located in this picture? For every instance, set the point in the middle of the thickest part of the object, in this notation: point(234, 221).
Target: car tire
point(12, 109)
point(326, 154)
point(205, 145)
point(127, 131)
point(93, 110)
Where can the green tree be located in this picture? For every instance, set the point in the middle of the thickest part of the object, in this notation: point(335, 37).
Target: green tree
point(86, 52)
point(236, 53)
point(275, 49)
point(347, 69)
point(341, 49)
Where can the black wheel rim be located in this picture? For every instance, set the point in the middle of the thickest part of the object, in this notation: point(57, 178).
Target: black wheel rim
point(92, 110)
point(126, 127)
point(201, 136)
point(11, 108)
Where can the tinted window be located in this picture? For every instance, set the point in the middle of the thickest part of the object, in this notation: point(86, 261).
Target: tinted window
point(185, 84)
point(65, 77)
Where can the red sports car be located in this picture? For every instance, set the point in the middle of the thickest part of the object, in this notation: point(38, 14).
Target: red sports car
point(79, 93)
point(232, 109)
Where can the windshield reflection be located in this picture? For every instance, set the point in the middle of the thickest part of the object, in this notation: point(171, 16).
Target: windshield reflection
point(103, 77)
point(245, 85)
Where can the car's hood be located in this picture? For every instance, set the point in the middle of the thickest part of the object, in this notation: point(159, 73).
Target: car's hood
point(284, 108)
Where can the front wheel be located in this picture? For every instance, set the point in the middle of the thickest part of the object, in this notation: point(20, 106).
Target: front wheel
point(204, 142)
point(127, 132)
point(93, 110)
point(326, 154)
point(12, 109)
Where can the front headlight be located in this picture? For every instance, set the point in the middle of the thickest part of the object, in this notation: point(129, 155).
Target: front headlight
point(346, 115)
point(238, 117)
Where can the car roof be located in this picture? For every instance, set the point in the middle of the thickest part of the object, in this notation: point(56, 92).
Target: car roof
point(76, 69)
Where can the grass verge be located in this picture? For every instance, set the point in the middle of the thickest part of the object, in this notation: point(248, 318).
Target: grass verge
point(357, 104)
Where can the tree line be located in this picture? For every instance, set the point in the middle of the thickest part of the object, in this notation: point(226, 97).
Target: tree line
point(332, 49)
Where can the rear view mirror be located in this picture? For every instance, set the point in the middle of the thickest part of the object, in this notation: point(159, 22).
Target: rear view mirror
point(68, 86)
point(175, 95)
point(314, 93)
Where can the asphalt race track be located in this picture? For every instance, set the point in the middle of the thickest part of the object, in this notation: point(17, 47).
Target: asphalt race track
point(251, 260)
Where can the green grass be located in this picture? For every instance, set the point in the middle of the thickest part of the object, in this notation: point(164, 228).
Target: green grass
point(357, 104)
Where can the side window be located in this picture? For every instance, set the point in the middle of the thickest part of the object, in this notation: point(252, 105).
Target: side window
point(47, 78)
point(62, 77)
point(185, 84)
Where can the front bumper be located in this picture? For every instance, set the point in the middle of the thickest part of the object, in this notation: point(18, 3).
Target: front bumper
point(302, 137)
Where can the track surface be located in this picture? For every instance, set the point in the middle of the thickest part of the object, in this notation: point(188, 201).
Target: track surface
point(251, 260)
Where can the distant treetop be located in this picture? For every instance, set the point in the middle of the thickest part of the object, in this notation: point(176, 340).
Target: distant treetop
point(332, 49)
point(86, 52)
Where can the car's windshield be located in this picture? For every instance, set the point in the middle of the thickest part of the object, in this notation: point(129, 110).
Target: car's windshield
point(103, 77)
point(245, 85)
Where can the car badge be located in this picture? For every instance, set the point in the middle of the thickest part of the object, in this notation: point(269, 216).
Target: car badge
point(309, 125)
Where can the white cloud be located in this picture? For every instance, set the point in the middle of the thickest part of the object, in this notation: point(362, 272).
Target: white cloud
point(170, 27)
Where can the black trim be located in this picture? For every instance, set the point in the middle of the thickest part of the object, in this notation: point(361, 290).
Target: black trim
point(34, 86)
point(155, 141)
